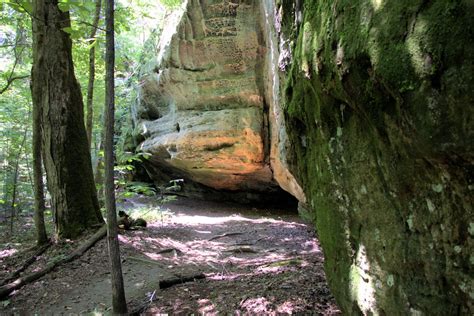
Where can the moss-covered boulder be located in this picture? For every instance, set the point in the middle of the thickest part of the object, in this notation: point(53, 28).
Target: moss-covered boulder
point(379, 106)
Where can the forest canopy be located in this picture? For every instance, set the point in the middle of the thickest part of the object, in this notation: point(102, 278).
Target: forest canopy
point(135, 23)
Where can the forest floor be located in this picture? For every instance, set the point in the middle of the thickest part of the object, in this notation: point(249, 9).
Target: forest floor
point(255, 261)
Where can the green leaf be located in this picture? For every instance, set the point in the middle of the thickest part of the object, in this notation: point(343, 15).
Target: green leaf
point(27, 5)
point(68, 29)
point(15, 6)
point(64, 6)
point(128, 194)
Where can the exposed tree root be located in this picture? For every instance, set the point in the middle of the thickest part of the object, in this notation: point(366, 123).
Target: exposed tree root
point(39, 251)
point(224, 235)
point(5, 290)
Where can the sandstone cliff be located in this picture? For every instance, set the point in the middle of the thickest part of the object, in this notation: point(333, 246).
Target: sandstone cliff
point(204, 104)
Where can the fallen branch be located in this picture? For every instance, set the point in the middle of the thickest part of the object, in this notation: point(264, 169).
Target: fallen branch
point(164, 284)
point(5, 290)
point(26, 264)
point(224, 235)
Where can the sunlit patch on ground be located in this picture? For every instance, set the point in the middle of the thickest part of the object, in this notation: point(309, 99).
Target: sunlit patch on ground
point(254, 263)
point(255, 305)
point(206, 306)
point(7, 253)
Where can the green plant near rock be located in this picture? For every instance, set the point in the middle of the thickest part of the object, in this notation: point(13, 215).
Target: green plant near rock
point(150, 214)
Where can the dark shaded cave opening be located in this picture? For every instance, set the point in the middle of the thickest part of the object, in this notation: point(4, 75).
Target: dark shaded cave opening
point(274, 197)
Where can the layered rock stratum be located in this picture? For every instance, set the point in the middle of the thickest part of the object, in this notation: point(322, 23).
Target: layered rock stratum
point(204, 104)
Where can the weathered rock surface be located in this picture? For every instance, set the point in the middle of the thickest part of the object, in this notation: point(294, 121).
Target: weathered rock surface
point(279, 141)
point(204, 104)
point(380, 99)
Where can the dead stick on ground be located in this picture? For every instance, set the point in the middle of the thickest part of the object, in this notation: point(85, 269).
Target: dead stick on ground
point(26, 264)
point(242, 250)
point(224, 235)
point(164, 284)
point(5, 290)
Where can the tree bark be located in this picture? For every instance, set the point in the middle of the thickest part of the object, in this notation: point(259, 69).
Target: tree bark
point(119, 304)
point(38, 185)
point(90, 85)
point(57, 93)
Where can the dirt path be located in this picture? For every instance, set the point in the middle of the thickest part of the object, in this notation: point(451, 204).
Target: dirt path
point(255, 261)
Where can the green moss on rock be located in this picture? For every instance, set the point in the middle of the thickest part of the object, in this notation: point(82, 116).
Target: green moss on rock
point(381, 92)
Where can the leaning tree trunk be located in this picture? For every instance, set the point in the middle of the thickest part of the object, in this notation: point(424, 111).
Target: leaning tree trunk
point(56, 92)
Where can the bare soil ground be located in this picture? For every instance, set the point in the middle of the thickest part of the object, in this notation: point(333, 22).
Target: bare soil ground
point(255, 261)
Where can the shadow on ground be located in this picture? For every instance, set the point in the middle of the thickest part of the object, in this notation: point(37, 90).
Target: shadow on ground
point(263, 261)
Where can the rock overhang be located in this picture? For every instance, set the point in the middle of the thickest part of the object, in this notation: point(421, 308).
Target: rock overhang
point(204, 110)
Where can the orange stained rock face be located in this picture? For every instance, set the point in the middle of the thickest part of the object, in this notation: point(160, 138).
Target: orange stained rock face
point(205, 110)
point(221, 149)
point(226, 159)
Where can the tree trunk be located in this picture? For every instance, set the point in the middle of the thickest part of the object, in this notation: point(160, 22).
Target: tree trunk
point(90, 85)
point(99, 171)
point(38, 185)
point(119, 304)
point(56, 92)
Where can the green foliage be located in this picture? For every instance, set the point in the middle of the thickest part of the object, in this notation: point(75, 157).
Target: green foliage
point(150, 213)
point(15, 102)
point(136, 21)
point(171, 3)
point(21, 6)
point(126, 160)
point(125, 168)
point(131, 189)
